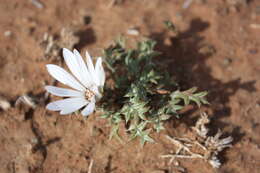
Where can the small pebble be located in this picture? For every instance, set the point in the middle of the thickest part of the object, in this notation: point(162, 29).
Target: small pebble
point(4, 104)
point(133, 31)
point(34, 140)
point(207, 49)
point(37, 4)
point(186, 4)
point(176, 163)
point(227, 61)
point(255, 26)
point(8, 33)
point(253, 51)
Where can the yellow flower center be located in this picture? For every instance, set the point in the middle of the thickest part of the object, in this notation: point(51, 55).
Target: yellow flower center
point(89, 94)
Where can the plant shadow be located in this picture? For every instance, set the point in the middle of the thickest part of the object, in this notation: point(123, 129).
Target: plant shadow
point(87, 36)
point(186, 55)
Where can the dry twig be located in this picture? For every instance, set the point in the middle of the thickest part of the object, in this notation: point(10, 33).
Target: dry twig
point(209, 145)
point(27, 100)
point(90, 166)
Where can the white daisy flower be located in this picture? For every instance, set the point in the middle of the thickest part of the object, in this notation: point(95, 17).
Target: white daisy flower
point(87, 84)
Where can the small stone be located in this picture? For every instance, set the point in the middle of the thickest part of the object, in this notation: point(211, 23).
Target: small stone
point(37, 4)
point(7, 33)
point(4, 104)
point(227, 61)
point(133, 31)
point(34, 140)
point(253, 51)
point(176, 163)
point(207, 49)
point(187, 4)
point(255, 26)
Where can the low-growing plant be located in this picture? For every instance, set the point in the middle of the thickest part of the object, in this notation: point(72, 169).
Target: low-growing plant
point(141, 94)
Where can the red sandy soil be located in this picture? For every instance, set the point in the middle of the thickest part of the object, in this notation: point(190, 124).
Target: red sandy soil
point(217, 49)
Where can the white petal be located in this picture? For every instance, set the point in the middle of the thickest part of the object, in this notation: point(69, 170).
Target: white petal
point(90, 65)
point(76, 66)
point(67, 106)
point(52, 107)
point(84, 73)
point(89, 109)
point(100, 73)
point(72, 63)
point(64, 77)
point(63, 92)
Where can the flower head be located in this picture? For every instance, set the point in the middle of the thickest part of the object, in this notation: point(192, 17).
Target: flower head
point(86, 82)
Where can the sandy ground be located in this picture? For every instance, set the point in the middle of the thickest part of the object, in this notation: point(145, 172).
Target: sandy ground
point(217, 49)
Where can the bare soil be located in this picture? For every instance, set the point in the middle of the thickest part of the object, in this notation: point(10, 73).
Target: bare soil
point(217, 49)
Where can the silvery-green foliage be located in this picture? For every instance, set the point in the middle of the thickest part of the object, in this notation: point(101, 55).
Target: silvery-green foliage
point(142, 96)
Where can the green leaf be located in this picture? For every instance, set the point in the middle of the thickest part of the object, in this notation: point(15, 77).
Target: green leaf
point(134, 98)
point(114, 133)
point(169, 25)
point(145, 137)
